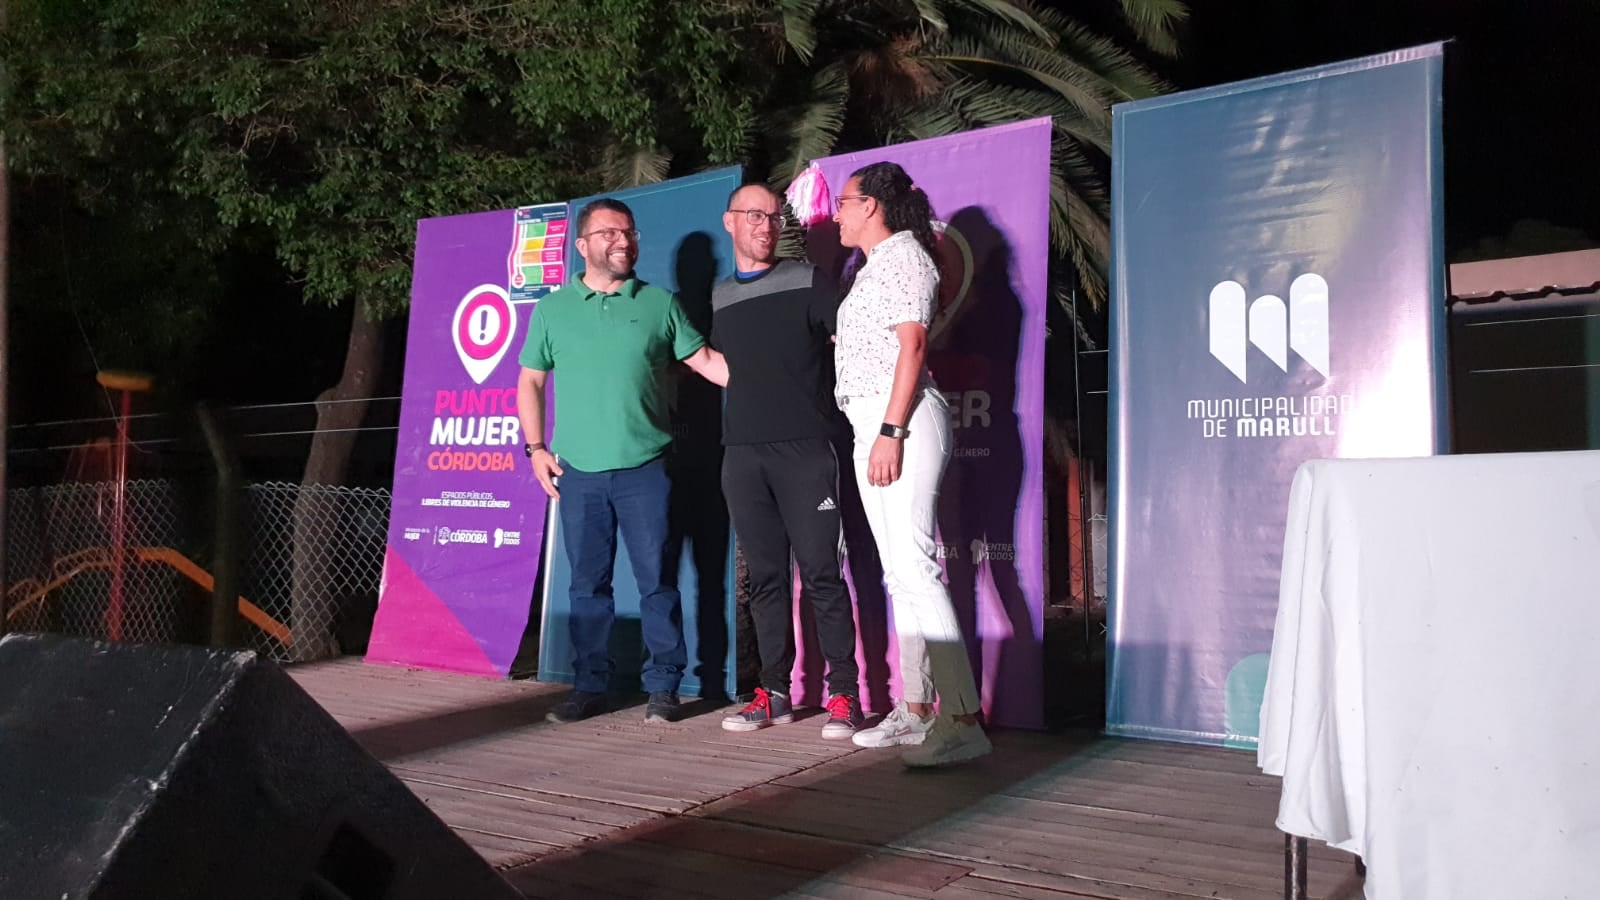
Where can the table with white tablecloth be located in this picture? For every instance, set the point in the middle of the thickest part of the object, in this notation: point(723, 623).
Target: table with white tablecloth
point(1433, 696)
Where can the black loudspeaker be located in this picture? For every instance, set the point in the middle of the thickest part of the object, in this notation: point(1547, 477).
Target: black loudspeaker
point(166, 773)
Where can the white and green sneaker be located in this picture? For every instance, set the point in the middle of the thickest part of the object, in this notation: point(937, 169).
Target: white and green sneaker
point(948, 742)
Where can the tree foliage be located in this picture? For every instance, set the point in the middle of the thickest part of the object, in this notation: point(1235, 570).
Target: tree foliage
point(329, 128)
point(323, 129)
point(852, 74)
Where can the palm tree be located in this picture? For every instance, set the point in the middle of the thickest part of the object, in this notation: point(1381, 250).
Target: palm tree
point(863, 73)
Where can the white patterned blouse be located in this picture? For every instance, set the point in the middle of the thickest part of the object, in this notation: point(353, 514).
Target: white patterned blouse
point(898, 283)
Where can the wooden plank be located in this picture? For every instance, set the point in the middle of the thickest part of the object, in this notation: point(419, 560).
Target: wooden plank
point(617, 816)
point(361, 696)
point(607, 788)
point(1110, 881)
point(828, 888)
point(880, 775)
point(859, 864)
point(971, 888)
point(799, 749)
point(729, 879)
point(1220, 784)
point(502, 851)
point(966, 838)
point(668, 743)
point(687, 784)
point(1087, 790)
point(621, 868)
point(512, 817)
point(1259, 837)
point(571, 762)
point(598, 872)
point(1000, 880)
point(1190, 756)
point(1067, 849)
point(807, 812)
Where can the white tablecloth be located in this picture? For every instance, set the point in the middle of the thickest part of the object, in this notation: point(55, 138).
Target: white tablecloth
point(1433, 696)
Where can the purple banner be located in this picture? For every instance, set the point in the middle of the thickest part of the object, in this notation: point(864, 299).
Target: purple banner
point(467, 519)
point(990, 191)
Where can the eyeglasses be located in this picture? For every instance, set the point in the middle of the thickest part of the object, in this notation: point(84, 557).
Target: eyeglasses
point(843, 197)
point(612, 235)
point(756, 217)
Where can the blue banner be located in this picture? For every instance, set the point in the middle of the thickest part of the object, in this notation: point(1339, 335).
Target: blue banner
point(1277, 296)
point(682, 247)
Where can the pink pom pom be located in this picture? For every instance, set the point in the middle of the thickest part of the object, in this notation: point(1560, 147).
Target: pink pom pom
point(809, 197)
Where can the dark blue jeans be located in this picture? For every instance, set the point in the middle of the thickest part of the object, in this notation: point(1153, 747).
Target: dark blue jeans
point(594, 507)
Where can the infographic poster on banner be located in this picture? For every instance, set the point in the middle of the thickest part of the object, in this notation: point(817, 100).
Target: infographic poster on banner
point(537, 262)
point(1287, 306)
point(990, 191)
point(467, 518)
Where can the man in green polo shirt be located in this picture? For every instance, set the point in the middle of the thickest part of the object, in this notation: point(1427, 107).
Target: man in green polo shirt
point(611, 339)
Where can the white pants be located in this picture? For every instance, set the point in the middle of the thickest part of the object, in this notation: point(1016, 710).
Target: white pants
point(932, 653)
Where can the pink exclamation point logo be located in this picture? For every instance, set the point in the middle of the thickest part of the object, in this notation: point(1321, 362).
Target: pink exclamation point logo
point(484, 322)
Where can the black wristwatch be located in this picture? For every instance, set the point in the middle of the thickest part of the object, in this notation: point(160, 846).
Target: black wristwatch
point(531, 449)
point(893, 431)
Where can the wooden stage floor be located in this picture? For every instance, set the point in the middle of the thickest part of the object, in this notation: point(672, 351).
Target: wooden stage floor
point(615, 808)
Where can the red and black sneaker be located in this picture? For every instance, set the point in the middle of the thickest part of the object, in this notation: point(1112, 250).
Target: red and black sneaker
point(766, 709)
point(844, 717)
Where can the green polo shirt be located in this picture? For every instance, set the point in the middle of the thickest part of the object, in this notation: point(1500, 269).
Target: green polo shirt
point(610, 354)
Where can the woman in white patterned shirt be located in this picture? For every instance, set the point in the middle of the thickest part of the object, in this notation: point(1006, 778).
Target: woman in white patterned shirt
point(902, 445)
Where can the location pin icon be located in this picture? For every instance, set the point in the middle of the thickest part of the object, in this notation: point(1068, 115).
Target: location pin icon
point(482, 329)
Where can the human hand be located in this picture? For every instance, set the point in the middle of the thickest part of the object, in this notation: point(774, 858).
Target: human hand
point(883, 463)
point(546, 469)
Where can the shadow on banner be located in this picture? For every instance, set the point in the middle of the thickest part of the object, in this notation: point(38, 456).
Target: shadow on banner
point(683, 247)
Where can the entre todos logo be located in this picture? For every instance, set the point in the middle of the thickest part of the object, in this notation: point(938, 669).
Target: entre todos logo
point(1271, 326)
point(983, 551)
point(482, 328)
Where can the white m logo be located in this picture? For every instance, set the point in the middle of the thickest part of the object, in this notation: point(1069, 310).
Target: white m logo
point(1274, 329)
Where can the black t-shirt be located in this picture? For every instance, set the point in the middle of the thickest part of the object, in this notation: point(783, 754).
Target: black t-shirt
point(774, 328)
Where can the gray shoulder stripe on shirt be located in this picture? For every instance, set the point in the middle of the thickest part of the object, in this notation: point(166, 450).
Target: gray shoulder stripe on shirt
point(789, 275)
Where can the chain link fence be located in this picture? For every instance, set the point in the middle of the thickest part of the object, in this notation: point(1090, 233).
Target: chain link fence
point(80, 562)
point(67, 576)
point(313, 563)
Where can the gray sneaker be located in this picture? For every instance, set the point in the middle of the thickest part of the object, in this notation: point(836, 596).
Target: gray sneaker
point(765, 710)
point(844, 718)
point(578, 706)
point(663, 707)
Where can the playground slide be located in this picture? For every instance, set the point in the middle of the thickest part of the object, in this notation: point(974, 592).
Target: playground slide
point(31, 591)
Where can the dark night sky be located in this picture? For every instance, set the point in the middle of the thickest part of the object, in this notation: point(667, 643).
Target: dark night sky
point(1522, 138)
point(1522, 142)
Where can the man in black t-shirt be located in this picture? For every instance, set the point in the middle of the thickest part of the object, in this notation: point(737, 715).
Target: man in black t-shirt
point(773, 321)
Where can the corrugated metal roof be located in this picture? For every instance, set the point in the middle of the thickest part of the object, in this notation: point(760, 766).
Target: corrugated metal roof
point(1559, 277)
